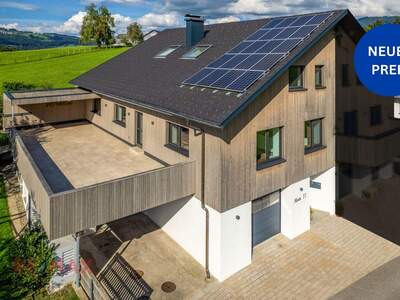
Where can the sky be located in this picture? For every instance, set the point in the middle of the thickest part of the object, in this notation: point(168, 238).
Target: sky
point(65, 16)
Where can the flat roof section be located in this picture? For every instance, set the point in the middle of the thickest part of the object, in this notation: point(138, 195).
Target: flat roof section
point(49, 96)
point(76, 155)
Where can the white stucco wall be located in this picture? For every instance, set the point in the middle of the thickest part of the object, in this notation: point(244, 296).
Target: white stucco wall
point(229, 237)
point(386, 171)
point(324, 199)
point(295, 209)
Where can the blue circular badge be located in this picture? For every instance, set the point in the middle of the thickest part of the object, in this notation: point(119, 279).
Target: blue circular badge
point(377, 60)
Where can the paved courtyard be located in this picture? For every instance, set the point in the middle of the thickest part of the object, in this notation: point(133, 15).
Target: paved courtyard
point(329, 258)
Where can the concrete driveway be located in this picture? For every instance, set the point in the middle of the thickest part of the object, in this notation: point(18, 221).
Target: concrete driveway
point(319, 264)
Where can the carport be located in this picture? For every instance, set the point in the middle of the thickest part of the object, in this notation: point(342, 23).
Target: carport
point(134, 258)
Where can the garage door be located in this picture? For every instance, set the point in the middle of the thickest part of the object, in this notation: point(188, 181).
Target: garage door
point(266, 219)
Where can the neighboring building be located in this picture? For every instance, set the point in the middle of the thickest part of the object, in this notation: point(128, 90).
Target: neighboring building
point(397, 107)
point(221, 158)
point(150, 34)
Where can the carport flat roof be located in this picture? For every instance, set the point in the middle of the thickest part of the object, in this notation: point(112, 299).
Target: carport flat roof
point(76, 155)
point(48, 96)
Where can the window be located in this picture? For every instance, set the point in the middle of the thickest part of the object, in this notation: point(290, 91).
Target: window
point(312, 135)
point(319, 77)
point(164, 53)
point(196, 51)
point(296, 80)
point(139, 129)
point(178, 138)
point(97, 106)
point(350, 123)
point(120, 115)
point(345, 75)
point(376, 115)
point(269, 148)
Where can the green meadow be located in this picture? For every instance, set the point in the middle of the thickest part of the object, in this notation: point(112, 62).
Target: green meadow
point(50, 68)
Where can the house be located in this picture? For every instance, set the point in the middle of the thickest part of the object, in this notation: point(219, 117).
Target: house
point(224, 135)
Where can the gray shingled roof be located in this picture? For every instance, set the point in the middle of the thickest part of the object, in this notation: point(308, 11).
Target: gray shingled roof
point(136, 76)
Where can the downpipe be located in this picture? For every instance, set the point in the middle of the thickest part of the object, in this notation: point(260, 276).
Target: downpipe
point(203, 202)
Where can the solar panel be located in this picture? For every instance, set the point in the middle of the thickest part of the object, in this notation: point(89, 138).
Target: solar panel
point(227, 79)
point(244, 81)
point(212, 77)
point(248, 61)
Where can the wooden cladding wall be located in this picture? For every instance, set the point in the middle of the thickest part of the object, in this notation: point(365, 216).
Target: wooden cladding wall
point(87, 207)
point(34, 180)
point(33, 114)
point(279, 107)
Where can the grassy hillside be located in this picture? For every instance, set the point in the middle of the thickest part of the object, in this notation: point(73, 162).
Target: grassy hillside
point(55, 72)
point(365, 21)
point(32, 40)
point(23, 56)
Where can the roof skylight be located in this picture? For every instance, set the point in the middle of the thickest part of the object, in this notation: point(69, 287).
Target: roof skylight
point(196, 51)
point(165, 52)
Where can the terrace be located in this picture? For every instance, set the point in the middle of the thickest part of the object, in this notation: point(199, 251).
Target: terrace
point(81, 176)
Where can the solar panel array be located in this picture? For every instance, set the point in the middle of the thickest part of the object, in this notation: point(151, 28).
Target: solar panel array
point(243, 65)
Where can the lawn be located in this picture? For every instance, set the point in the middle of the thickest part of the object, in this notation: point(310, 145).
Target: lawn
point(55, 72)
point(23, 56)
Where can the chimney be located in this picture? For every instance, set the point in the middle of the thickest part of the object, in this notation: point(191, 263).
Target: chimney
point(194, 29)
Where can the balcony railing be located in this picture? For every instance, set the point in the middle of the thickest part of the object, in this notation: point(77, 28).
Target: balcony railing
point(74, 210)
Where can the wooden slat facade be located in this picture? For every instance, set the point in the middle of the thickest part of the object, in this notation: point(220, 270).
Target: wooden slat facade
point(40, 190)
point(78, 209)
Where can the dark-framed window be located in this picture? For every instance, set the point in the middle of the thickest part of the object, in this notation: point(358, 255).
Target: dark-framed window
point(269, 147)
point(312, 135)
point(97, 106)
point(375, 115)
point(345, 75)
point(120, 114)
point(139, 128)
point(319, 76)
point(350, 123)
point(178, 138)
point(296, 77)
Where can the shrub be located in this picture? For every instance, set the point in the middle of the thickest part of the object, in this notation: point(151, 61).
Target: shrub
point(33, 260)
point(17, 85)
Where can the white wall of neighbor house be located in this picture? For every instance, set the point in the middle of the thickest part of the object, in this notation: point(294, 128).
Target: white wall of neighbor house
point(295, 208)
point(229, 233)
point(323, 198)
point(397, 108)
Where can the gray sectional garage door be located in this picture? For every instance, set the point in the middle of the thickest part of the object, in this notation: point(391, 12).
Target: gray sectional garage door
point(266, 219)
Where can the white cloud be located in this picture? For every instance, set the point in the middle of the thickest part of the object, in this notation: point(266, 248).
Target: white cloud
point(152, 20)
point(72, 25)
point(223, 20)
point(121, 22)
point(9, 26)
point(17, 5)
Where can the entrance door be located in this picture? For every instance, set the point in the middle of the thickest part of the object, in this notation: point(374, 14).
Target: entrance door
point(266, 217)
point(139, 129)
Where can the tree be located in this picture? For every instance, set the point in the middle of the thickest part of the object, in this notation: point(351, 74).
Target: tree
point(397, 20)
point(134, 33)
point(97, 26)
point(377, 23)
point(33, 260)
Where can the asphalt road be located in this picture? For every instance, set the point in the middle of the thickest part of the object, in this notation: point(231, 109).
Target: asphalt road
point(382, 283)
